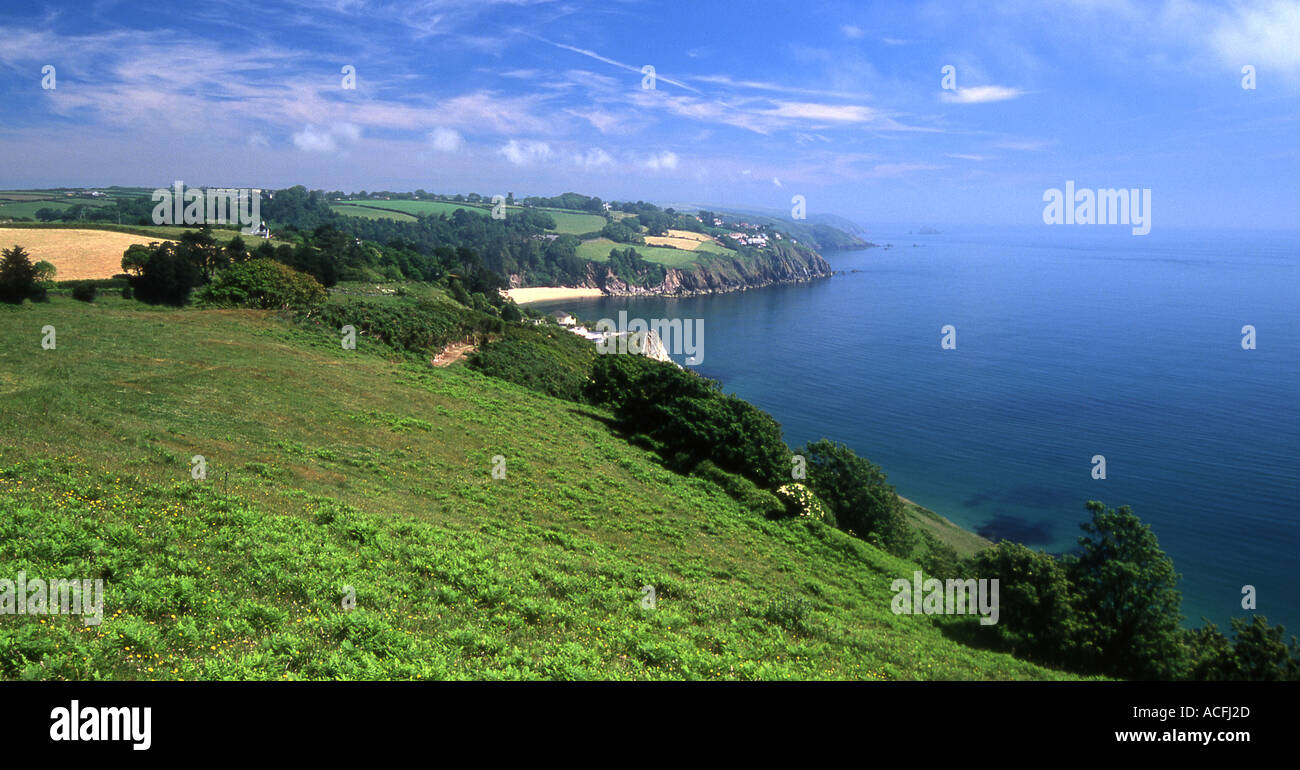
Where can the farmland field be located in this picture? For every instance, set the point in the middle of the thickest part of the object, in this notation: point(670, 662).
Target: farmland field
point(75, 253)
point(598, 251)
point(575, 223)
point(685, 239)
point(369, 213)
point(28, 208)
point(572, 222)
point(417, 208)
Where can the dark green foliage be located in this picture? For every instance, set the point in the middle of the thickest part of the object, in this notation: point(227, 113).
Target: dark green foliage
point(937, 559)
point(628, 265)
point(263, 283)
point(547, 360)
point(620, 232)
point(416, 329)
point(18, 277)
point(166, 278)
point(127, 293)
point(510, 313)
point(858, 493)
point(1039, 607)
point(1130, 600)
point(1261, 653)
point(688, 418)
point(84, 292)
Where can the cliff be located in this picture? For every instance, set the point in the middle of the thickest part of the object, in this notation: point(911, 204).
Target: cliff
point(715, 274)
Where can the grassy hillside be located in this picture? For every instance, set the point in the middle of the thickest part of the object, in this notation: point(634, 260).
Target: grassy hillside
point(573, 222)
point(329, 469)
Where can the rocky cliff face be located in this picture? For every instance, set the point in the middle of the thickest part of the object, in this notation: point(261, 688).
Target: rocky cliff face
point(716, 274)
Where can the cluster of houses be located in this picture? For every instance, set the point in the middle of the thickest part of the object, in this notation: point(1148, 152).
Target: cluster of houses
point(749, 239)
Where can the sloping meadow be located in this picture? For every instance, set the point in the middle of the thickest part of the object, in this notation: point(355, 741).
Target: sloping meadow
point(361, 516)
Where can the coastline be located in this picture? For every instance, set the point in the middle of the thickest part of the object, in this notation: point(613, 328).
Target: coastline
point(550, 293)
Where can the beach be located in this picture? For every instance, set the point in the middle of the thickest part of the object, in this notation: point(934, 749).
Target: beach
point(549, 293)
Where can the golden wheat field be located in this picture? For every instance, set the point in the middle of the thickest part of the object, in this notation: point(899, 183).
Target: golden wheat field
point(682, 239)
point(75, 254)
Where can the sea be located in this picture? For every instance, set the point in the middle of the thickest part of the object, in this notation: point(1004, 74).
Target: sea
point(1066, 344)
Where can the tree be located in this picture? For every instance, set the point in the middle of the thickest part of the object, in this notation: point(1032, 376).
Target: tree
point(167, 278)
point(136, 257)
point(858, 493)
point(1129, 596)
point(45, 271)
point(18, 277)
point(1039, 606)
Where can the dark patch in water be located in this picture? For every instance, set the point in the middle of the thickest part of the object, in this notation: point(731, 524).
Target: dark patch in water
point(1016, 529)
point(1040, 497)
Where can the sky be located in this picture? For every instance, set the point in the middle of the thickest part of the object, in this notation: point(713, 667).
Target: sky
point(937, 113)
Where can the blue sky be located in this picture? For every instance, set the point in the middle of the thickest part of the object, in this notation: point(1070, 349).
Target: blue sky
point(841, 102)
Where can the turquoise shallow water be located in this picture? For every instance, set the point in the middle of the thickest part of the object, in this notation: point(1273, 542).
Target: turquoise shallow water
point(1071, 342)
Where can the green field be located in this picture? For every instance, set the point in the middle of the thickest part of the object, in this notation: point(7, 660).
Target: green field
point(418, 208)
point(372, 476)
point(366, 212)
point(575, 223)
point(29, 208)
point(572, 222)
point(598, 251)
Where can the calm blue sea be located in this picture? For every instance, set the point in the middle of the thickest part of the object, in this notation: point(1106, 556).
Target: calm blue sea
point(1071, 342)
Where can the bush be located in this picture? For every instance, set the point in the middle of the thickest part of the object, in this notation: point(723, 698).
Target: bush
point(858, 494)
point(18, 277)
point(126, 292)
point(688, 418)
point(551, 361)
point(263, 283)
point(84, 292)
point(164, 276)
point(1039, 606)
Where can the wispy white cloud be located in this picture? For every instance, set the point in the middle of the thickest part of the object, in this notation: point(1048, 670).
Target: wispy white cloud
point(980, 94)
point(665, 160)
point(445, 139)
point(524, 153)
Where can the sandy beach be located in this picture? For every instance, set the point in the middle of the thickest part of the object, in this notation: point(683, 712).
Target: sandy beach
point(547, 293)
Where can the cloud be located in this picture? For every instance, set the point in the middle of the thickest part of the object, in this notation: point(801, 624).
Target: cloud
point(593, 159)
point(666, 160)
point(852, 32)
point(445, 139)
point(314, 139)
point(615, 63)
point(980, 94)
point(965, 156)
point(776, 181)
point(832, 113)
point(1265, 35)
point(526, 152)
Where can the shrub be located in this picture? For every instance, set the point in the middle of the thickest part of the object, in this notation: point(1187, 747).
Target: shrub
point(263, 283)
point(551, 361)
point(18, 277)
point(800, 501)
point(126, 292)
point(84, 292)
point(688, 418)
point(165, 277)
point(858, 493)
